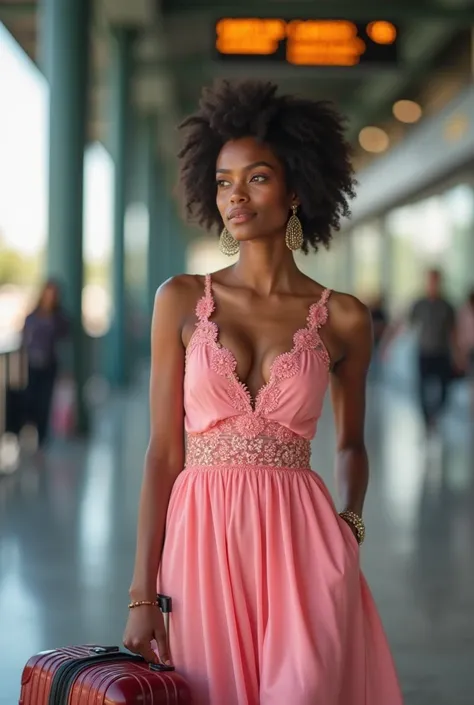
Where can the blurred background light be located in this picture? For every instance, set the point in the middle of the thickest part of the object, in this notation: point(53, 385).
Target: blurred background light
point(374, 139)
point(407, 111)
point(382, 32)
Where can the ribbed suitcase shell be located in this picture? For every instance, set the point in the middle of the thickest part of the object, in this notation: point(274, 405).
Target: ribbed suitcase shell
point(123, 683)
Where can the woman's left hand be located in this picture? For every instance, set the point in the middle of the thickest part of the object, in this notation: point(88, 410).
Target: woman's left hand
point(354, 531)
point(352, 528)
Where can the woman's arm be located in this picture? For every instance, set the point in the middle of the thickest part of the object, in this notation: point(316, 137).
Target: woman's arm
point(352, 325)
point(165, 454)
point(63, 324)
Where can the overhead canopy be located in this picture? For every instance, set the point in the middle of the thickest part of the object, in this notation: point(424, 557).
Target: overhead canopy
point(175, 54)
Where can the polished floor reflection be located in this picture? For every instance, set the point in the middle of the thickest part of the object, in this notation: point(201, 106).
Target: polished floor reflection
point(67, 534)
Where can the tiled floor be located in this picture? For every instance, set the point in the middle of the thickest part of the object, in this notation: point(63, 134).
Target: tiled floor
point(67, 535)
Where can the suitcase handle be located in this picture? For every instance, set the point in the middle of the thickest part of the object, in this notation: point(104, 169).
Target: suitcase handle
point(101, 650)
point(160, 667)
point(165, 603)
point(105, 650)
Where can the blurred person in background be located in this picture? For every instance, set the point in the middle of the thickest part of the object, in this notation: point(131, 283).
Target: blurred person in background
point(433, 318)
point(43, 330)
point(378, 312)
point(465, 327)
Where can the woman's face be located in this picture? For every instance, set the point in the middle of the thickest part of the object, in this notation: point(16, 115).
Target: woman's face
point(50, 297)
point(252, 195)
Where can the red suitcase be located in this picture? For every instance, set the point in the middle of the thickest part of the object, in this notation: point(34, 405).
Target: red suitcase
point(98, 675)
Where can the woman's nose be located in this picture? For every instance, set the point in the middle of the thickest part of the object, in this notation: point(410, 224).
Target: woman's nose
point(239, 196)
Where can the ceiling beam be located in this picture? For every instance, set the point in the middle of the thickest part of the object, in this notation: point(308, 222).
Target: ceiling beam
point(375, 99)
point(372, 101)
point(154, 92)
point(11, 10)
point(137, 14)
point(364, 10)
point(195, 66)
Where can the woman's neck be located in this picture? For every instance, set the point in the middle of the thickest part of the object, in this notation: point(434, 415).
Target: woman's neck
point(266, 269)
point(45, 312)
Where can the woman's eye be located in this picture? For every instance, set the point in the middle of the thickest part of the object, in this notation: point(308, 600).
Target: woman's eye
point(259, 178)
point(221, 182)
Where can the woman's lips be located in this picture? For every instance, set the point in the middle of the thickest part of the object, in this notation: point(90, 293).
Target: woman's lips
point(241, 216)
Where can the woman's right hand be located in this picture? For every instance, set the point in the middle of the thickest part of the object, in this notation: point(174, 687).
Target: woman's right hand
point(145, 624)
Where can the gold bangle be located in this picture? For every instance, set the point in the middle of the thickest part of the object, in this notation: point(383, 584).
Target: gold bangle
point(356, 521)
point(140, 603)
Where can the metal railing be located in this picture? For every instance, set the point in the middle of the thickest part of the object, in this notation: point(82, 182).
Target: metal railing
point(13, 375)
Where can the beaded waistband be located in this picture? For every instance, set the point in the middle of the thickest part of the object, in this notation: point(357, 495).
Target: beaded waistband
point(223, 448)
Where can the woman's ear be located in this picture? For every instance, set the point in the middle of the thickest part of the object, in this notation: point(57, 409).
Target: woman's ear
point(295, 201)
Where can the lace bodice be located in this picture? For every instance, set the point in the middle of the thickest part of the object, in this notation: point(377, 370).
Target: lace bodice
point(288, 405)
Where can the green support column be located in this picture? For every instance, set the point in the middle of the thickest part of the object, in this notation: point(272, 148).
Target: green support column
point(174, 227)
point(166, 243)
point(164, 225)
point(178, 242)
point(165, 236)
point(154, 200)
point(136, 244)
point(65, 50)
point(121, 42)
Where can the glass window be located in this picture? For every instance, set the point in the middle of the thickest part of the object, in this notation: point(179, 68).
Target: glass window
point(367, 260)
point(435, 232)
point(459, 204)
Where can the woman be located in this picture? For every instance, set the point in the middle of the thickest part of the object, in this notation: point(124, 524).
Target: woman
point(45, 326)
point(269, 605)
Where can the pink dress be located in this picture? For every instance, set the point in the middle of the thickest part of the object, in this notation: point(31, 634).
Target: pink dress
point(269, 604)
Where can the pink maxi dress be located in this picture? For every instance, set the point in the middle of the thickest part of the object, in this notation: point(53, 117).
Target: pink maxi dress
point(269, 603)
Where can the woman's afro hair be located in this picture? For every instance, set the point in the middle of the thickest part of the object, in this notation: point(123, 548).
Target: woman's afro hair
point(306, 135)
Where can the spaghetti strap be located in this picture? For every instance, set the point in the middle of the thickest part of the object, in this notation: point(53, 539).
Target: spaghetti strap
point(207, 286)
point(325, 297)
point(318, 312)
point(205, 306)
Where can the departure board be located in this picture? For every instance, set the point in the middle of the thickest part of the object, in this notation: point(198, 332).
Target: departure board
point(309, 42)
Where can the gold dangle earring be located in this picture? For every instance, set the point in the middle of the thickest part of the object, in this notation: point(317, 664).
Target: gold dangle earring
point(228, 244)
point(294, 231)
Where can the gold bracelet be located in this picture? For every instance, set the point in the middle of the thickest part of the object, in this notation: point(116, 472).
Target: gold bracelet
point(356, 521)
point(140, 603)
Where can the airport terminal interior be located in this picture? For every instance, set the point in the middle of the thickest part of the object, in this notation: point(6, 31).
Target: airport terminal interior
point(91, 94)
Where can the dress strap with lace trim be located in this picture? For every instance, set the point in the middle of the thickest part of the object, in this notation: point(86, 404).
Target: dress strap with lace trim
point(205, 307)
point(285, 365)
point(317, 315)
point(318, 312)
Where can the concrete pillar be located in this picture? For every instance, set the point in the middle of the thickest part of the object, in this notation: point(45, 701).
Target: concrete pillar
point(155, 200)
point(178, 243)
point(172, 228)
point(121, 43)
point(65, 51)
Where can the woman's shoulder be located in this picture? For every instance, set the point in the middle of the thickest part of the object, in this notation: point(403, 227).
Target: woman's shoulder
point(349, 316)
point(31, 317)
point(348, 305)
point(179, 293)
point(191, 285)
point(342, 306)
point(181, 285)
